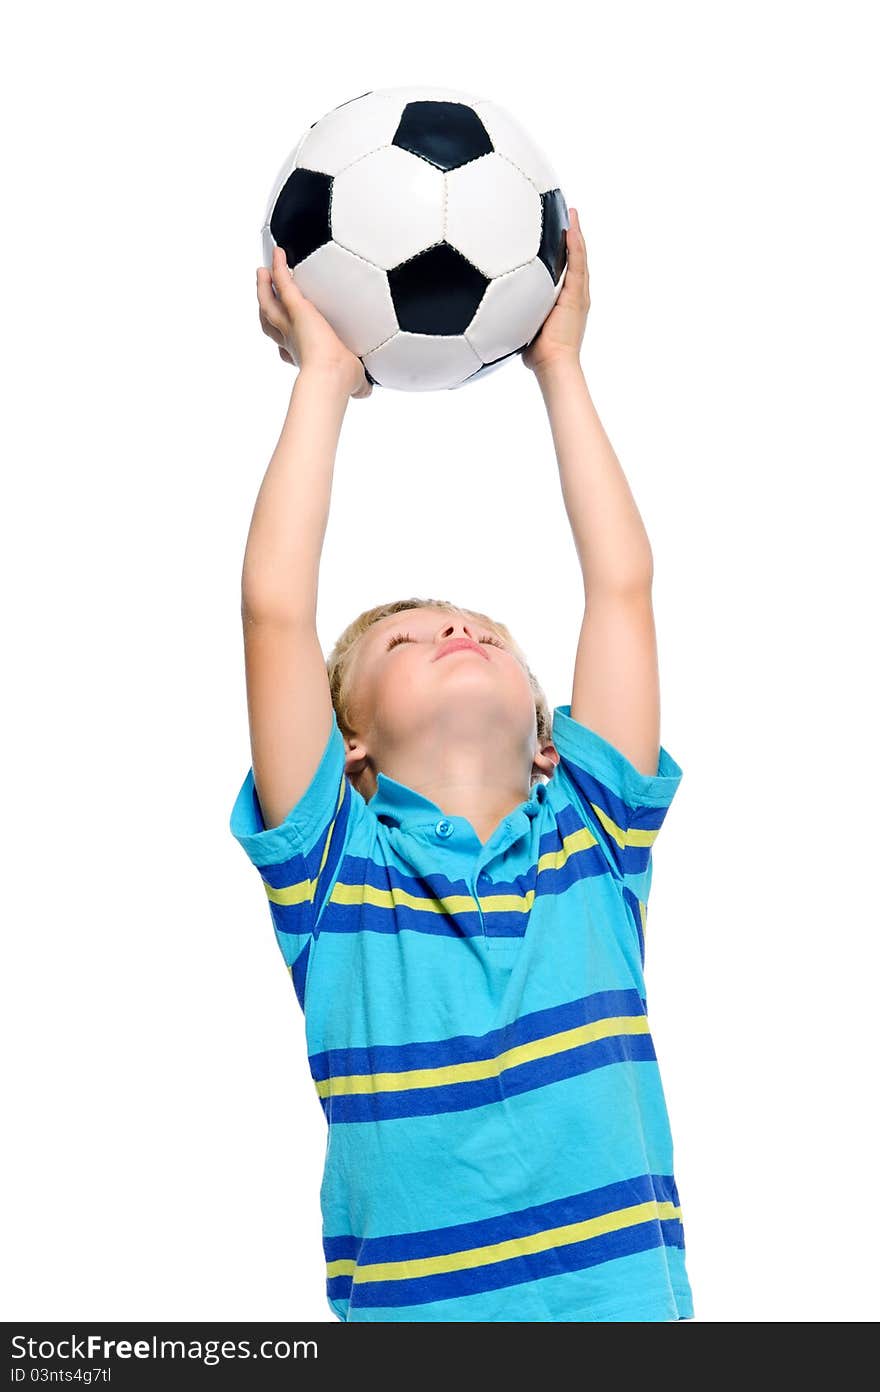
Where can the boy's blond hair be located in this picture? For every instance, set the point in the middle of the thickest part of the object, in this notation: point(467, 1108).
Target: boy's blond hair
point(340, 660)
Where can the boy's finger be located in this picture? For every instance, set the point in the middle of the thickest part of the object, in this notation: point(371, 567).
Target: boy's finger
point(266, 290)
point(282, 275)
point(577, 255)
point(273, 318)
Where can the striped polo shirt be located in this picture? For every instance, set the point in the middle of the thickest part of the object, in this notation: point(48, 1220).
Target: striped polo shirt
point(476, 1028)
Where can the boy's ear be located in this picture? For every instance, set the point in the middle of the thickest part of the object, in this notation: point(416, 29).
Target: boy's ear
point(546, 759)
point(355, 757)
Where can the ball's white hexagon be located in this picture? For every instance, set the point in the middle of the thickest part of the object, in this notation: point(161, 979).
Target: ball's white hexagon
point(422, 362)
point(515, 144)
point(512, 310)
point(366, 195)
point(352, 295)
point(349, 133)
point(493, 215)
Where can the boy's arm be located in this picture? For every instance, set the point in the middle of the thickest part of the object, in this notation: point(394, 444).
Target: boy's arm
point(290, 712)
point(289, 708)
point(616, 687)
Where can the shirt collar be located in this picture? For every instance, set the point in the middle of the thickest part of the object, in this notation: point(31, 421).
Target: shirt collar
point(398, 803)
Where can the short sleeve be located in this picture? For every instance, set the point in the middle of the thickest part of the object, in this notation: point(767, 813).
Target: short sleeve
point(623, 807)
point(300, 859)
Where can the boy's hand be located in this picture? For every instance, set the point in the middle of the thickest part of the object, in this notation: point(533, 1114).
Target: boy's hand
point(563, 329)
point(303, 335)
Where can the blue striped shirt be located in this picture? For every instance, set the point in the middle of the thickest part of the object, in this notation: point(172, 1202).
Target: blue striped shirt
point(476, 1027)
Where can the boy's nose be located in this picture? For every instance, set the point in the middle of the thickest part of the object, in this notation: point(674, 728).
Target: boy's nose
point(457, 629)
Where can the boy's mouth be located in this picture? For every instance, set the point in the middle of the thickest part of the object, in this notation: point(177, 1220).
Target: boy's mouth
point(455, 644)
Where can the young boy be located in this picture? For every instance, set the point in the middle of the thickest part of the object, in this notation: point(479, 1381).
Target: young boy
point(459, 888)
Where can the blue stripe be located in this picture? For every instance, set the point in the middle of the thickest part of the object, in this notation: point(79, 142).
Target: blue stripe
point(521, 1222)
point(464, 923)
point(339, 1287)
point(372, 918)
point(346, 1245)
point(362, 870)
point(293, 920)
point(286, 872)
point(298, 973)
point(466, 1048)
point(458, 1097)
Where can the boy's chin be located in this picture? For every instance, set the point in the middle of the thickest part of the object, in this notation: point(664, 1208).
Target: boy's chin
point(481, 721)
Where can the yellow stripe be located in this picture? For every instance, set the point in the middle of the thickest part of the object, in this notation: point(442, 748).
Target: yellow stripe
point(580, 840)
point(634, 836)
point(396, 897)
point(300, 893)
point(652, 1211)
point(507, 903)
point(640, 836)
point(303, 891)
point(483, 1068)
point(448, 904)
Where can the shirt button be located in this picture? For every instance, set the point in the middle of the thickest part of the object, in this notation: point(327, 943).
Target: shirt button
point(483, 877)
point(443, 827)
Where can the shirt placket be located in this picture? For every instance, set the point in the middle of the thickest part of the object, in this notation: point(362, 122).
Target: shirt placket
point(479, 881)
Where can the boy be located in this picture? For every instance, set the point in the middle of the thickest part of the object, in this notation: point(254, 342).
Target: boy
point(459, 888)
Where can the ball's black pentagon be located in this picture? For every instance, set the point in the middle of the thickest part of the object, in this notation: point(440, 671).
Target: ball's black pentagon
point(300, 221)
point(489, 367)
point(436, 292)
point(446, 134)
point(554, 221)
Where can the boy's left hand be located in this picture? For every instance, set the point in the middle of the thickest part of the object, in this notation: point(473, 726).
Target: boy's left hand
point(563, 330)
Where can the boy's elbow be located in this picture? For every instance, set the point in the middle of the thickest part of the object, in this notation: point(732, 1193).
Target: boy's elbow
point(264, 605)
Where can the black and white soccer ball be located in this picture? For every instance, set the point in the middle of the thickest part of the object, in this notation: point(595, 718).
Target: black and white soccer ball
point(427, 228)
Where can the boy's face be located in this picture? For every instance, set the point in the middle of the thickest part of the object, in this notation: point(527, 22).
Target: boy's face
point(426, 691)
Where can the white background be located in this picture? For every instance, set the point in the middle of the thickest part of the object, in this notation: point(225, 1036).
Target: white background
point(164, 1145)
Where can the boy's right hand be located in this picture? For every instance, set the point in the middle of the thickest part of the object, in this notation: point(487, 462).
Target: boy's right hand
point(303, 336)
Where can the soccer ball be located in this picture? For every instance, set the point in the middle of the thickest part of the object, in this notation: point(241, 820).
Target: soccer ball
point(427, 228)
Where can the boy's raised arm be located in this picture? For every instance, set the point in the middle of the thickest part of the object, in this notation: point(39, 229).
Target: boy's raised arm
point(616, 687)
point(288, 694)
